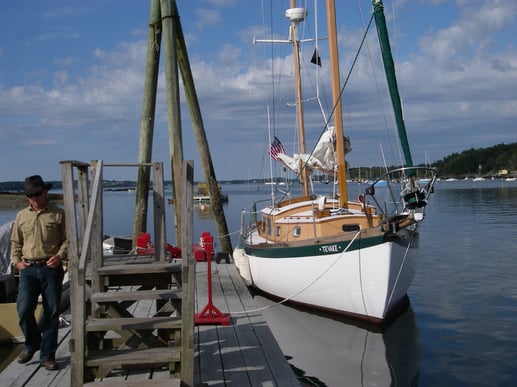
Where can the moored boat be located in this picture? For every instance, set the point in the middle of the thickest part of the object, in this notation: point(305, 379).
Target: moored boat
point(202, 196)
point(327, 252)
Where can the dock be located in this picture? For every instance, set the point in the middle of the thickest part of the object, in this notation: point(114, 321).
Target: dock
point(133, 315)
point(244, 353)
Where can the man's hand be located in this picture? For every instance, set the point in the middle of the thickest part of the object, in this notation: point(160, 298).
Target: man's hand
point(54, 261)
point(21, 265)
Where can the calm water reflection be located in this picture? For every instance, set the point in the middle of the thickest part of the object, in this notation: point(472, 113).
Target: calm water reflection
point(327, 352)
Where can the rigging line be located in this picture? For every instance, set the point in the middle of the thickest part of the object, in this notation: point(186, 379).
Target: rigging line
point(304, 165)
point(348, 75)
point(376, 82)
point(229, 234)
point(403, 262)
point(309, 285)
point(361, 284)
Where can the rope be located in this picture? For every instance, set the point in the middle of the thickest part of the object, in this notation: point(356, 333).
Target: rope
point(306, 287)
point(403, 262)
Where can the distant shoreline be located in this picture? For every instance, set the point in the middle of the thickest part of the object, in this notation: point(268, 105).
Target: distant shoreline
point(19, 200)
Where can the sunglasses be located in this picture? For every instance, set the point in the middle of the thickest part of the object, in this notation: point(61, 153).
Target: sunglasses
point(34, 195)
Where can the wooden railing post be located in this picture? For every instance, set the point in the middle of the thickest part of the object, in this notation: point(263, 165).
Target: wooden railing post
point(159, 212)
point(188, 277)
point(76, 291)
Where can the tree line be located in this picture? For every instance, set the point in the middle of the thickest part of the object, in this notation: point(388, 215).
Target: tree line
point(491, 161)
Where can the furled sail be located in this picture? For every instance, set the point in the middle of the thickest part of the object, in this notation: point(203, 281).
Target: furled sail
point(322, 158)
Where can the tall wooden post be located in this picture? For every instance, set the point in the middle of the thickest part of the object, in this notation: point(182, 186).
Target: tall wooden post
point(147, 118)
point(188, 275)
point(164, 14)
point(170, 17)
point(200, 135)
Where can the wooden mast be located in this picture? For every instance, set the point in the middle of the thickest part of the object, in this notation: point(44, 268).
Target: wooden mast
point(338, 112)
point(304, 172)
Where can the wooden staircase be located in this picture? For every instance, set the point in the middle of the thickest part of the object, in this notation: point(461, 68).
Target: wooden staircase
point(128, 311)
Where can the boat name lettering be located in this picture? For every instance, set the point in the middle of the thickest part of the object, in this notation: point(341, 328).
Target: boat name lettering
point(330, 249)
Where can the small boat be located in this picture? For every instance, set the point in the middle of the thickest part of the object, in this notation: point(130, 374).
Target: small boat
point(123, 245)
point(113, 245)
point(202, 196)
point(424, 181)
point(10, 331)
point(324, 251)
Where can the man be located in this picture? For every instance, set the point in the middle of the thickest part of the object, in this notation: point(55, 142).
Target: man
point(38, 249)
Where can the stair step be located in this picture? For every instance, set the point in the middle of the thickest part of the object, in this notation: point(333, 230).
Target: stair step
point(140, 268)
point(157, 294)
point(106, 382)
point(136, 323)
point(146, 274)
point(133, 357)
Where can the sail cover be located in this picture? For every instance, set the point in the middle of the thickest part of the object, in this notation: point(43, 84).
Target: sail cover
point(322, 158)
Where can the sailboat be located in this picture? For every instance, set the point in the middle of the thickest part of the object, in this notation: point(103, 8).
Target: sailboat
point(350, 257)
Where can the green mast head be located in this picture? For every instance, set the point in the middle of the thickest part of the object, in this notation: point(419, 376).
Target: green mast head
point(389, 69)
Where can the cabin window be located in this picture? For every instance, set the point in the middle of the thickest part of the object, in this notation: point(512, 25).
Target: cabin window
point(297, 231)
point(277, 230)
point(350, 227)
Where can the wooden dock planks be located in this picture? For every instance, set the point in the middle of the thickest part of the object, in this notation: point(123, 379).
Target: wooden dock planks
point(242, 354)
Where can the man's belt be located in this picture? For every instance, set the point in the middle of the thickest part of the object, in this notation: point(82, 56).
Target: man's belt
point(39, 261)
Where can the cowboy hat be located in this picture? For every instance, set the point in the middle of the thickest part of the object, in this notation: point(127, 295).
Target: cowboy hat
point(35, 184)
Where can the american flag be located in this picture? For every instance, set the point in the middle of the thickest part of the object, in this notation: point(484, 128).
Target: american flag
point(276, 148)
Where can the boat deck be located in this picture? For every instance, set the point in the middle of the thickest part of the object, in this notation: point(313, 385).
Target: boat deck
point(244, 353)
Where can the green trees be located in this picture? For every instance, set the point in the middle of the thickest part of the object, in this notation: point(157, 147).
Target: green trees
point(482, 161)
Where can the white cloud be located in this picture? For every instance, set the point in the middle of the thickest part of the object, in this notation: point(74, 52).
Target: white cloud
point(207, 17)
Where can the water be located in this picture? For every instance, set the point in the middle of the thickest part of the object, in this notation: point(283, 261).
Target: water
point(460, 327)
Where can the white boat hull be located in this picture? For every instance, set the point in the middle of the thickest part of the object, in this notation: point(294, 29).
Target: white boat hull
point(366, 282)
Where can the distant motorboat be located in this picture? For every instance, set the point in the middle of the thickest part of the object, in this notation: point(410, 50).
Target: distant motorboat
point(423, 181)
point(202, 196)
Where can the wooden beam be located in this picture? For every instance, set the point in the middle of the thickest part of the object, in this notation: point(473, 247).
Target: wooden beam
point(147, 118)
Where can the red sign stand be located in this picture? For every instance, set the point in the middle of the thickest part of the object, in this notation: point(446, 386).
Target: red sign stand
point(210, 314)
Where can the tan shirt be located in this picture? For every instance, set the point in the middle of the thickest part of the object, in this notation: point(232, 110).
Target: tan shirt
point(39, 235)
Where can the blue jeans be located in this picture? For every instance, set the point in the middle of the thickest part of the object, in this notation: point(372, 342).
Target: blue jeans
point(36, 280)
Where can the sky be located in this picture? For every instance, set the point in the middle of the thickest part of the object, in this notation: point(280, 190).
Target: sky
point(72, 77)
